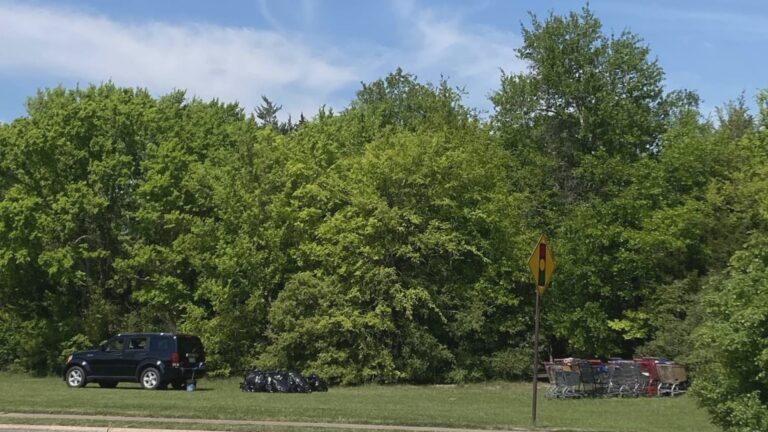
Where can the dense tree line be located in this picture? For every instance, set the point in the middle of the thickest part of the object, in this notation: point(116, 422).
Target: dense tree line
point(388, 242)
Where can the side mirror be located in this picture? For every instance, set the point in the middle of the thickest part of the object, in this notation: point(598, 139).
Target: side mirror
point(103, 346)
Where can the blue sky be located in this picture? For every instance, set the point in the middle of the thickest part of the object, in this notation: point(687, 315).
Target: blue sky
point(305, 53)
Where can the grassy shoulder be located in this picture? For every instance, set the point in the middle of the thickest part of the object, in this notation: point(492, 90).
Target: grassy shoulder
point(489, 405)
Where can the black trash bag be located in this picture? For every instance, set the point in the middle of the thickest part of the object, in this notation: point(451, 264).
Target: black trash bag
point(317, 384)
point(259, 382)
point(280, 382)
point(269, 384)
point(298, 383)
point(247, 380)
point(254, 381)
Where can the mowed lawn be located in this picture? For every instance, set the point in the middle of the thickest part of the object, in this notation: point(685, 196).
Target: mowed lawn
point(491, 405)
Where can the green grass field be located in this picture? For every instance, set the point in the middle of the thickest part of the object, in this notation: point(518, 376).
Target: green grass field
point(490, 405)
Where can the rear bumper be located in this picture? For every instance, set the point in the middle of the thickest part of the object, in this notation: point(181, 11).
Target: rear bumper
point(178, 373)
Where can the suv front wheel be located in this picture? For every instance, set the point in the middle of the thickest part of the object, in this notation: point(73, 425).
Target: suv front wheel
point(150, 378)
point(76, 377)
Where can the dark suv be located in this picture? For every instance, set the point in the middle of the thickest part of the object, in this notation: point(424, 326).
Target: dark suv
point(153, 359)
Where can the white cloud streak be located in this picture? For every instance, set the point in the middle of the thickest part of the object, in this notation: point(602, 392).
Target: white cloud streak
point(242, 63)
point(470, 56)
point(233, 64)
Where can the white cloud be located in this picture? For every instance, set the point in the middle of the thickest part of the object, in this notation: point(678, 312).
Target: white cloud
point(476, 53)
point(470, 56)
point(242, 63)
point(233, 64)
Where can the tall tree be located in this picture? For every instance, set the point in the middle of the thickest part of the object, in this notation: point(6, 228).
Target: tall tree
point(71, 169)
point(406, 268)
point(586, 121)
point(584, 95)
point(266, 113)
point(731, 353)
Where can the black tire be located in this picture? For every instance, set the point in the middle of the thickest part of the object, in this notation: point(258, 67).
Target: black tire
point(108, 384)
point(75, 377)
point(150, 379)
point(178, 385)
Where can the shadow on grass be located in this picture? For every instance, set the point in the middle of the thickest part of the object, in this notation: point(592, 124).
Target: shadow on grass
point(118, 388)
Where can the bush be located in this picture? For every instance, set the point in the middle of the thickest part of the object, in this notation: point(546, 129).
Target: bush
point(7, 340)
point(731, 347)
point(78, 342)
point(510, 364)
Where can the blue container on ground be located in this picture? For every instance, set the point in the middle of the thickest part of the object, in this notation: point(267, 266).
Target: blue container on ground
point(192, 383)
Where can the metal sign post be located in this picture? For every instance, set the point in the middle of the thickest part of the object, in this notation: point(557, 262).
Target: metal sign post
point(542, 264)
point(536, 359)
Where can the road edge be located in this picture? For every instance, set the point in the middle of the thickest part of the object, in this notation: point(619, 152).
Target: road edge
point(223, 422)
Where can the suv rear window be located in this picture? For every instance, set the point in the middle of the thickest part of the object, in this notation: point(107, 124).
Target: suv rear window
point(190, 344)
point(161, 343)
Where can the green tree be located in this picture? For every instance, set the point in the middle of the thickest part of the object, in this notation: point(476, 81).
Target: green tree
point(266, 113)
point(584, 95)
point(406, 270)
point(592, 126)
point(731, 353)
point(70, 169)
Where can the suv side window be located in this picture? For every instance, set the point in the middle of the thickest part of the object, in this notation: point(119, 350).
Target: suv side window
point(161, 344)
point(115, 345)
point(137, 343)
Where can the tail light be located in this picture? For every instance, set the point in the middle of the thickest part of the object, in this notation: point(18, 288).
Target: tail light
point(175, 359)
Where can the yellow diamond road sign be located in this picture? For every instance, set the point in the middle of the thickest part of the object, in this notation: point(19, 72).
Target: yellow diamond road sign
point(542, 264)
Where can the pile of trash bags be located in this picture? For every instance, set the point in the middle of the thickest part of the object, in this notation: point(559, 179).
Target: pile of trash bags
point(281, 382)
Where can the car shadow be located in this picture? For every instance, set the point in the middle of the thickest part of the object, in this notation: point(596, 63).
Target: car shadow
point(139, 388)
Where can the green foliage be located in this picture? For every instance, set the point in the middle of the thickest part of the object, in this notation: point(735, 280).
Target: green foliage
point(732, 353)
point(374, 245)
point(642, 199)
point(78, 342)
point(584, 93)
point(409, 256)
point(71, 174)
point(8, 339)
point(591, 114)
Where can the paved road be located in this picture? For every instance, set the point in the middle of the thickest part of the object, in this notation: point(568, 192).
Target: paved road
point(192, 421)
point(55, 428)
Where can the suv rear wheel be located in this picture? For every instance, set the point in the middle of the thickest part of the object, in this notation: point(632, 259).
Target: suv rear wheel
point(150, 378)
point(76, 377)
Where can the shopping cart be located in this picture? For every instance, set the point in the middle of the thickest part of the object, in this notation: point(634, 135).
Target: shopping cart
point(673, 379)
